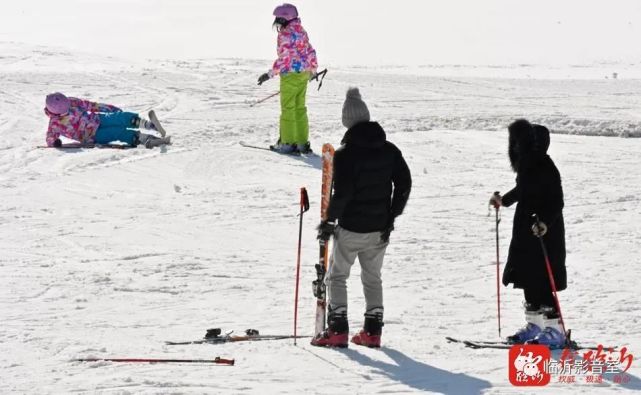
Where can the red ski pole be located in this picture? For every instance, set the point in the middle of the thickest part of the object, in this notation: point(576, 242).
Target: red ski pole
point(498, 271)
point(217, 360)
point(304, 206)
point(551, 277)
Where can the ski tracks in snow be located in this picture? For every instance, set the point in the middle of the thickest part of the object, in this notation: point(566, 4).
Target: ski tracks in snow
point(110, 253)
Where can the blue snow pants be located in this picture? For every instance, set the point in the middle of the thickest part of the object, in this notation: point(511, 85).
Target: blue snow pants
point(117, 126)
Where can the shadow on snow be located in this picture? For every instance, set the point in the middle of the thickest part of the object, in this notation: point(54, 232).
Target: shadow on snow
point(419, 375)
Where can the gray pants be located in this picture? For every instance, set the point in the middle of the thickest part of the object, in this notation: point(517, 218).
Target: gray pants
point(370, 251)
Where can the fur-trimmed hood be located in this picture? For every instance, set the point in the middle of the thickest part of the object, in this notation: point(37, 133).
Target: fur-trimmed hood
point(527, 143)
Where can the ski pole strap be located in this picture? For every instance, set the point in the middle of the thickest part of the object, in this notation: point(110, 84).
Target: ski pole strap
point(304, 200)
point(321, 74)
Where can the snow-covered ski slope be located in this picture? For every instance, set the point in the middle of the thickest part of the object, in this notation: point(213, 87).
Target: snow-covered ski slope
point(111, 252)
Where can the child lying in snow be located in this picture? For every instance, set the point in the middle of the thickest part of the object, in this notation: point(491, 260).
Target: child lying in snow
point(97, 123)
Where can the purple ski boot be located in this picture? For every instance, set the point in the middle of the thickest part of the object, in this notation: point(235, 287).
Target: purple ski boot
point(535, 325)
point(552, 336)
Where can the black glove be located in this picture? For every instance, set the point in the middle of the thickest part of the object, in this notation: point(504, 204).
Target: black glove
point(264, 77)
point(57, 143)
point(325, 230)
point(386, 233)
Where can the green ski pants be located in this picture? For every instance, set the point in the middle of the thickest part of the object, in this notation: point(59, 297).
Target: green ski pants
point(294, 125)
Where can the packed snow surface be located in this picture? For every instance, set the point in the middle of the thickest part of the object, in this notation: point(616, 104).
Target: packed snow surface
point(108, 253)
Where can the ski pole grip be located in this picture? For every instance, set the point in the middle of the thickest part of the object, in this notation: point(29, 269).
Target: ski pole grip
point(537, 221)
point(304, 199)
point(493, 202)
point(224, 361)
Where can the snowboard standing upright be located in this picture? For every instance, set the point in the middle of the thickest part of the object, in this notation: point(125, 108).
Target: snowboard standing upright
point(323, 259)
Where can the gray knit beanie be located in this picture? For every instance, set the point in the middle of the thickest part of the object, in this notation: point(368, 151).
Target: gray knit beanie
point(354, 109)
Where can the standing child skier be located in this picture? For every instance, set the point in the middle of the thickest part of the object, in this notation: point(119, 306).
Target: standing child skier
point(371, 186)
point(296, 64)
point(97, 123)
point(538, 192)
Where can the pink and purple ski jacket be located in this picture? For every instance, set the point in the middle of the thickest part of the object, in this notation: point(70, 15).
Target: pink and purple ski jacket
point(295, 53)
point(80, 123)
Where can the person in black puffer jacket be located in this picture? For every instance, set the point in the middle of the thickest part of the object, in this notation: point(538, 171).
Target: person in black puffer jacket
point(538, 191)
point(372, 184)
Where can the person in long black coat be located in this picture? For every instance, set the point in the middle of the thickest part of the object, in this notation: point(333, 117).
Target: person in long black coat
point(539, 192)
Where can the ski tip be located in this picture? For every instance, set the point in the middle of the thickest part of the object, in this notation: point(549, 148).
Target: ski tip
point(327, 147)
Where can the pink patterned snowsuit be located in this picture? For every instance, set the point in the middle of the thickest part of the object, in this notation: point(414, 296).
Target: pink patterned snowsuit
point(79, 123)
point(295, 53)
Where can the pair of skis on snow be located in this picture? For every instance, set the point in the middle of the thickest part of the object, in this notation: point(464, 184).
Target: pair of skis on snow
point(293, 153)
point(150, 144)
point(502, 344)
point(215, 336)
point(318, 285)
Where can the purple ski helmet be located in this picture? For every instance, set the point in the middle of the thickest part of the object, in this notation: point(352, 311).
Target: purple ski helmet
point(286, 11)
point(57, 103)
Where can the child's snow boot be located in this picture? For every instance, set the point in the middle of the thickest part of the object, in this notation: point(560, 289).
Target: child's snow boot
point(336, 333)
point(156, 123)
point(150, 141)
point(142, 123)
point(157, 141)
point(370, 335)
point(534, 326)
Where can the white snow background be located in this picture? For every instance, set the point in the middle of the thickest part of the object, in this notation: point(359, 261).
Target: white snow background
point(108, 253)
